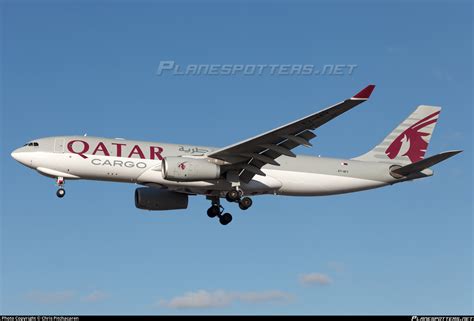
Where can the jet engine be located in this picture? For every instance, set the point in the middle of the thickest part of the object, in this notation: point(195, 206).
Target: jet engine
point(155, 199)
point(181, 169)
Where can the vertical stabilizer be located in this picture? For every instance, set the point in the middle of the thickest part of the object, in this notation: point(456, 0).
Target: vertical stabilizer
point(408, 142)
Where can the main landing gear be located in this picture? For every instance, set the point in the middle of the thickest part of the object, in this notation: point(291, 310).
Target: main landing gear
point(60, 192)
point(217, 209)
point(236, 196)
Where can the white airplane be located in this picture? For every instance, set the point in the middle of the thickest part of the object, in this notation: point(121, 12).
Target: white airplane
point(263, 164)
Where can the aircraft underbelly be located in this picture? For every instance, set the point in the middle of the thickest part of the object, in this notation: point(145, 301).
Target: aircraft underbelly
point(258, 185)
point(314, 184)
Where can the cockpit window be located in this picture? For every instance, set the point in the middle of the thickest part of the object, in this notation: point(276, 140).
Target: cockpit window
point(35, 144)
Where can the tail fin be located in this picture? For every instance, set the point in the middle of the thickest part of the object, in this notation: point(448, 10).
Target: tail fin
point(408, 142)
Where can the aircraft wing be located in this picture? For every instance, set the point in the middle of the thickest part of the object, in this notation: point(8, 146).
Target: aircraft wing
point(249, 156)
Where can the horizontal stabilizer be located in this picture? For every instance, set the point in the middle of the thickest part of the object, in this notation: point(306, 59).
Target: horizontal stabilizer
point(424, 163)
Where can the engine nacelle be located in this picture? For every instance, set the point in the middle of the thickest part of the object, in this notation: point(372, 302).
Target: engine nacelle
point(154, 199)
point(183, 169)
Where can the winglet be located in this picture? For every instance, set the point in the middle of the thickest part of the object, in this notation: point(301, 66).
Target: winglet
point(364, 93)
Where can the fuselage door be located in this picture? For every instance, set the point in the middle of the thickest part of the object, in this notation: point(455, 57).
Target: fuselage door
point(59, 145)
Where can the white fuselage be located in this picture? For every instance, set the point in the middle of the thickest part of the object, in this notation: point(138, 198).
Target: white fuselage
point(93, 158)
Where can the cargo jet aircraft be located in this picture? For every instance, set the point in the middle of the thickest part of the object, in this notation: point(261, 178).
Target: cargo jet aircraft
point(263, 164)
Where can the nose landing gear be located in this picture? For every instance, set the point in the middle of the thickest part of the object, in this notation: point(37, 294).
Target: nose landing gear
point(60, 192)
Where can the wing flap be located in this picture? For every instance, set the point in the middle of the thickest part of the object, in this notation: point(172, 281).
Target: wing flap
point(299, 140)
point(263, 158)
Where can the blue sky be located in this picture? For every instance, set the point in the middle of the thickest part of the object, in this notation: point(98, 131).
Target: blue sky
point(90, 67)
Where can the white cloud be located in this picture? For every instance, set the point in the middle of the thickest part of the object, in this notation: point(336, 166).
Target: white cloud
point(264, 296)
point(50, 297)
point(221, 298)
point(95, 296)
point(199, 299)
point(315, 278)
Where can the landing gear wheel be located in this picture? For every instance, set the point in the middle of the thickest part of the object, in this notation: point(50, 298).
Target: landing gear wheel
point(225, 219)
point(213, 211)
point(245, 203)
point(233, 195)
point(60, 193)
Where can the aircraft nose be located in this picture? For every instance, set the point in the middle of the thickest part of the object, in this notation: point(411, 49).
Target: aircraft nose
point(21, 156)
point(15, 154)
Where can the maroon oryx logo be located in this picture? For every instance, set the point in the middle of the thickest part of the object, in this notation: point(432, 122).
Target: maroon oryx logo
point(413, 136)
point(182, 166)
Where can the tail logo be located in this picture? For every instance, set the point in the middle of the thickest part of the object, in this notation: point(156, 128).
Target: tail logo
point(412, 141)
